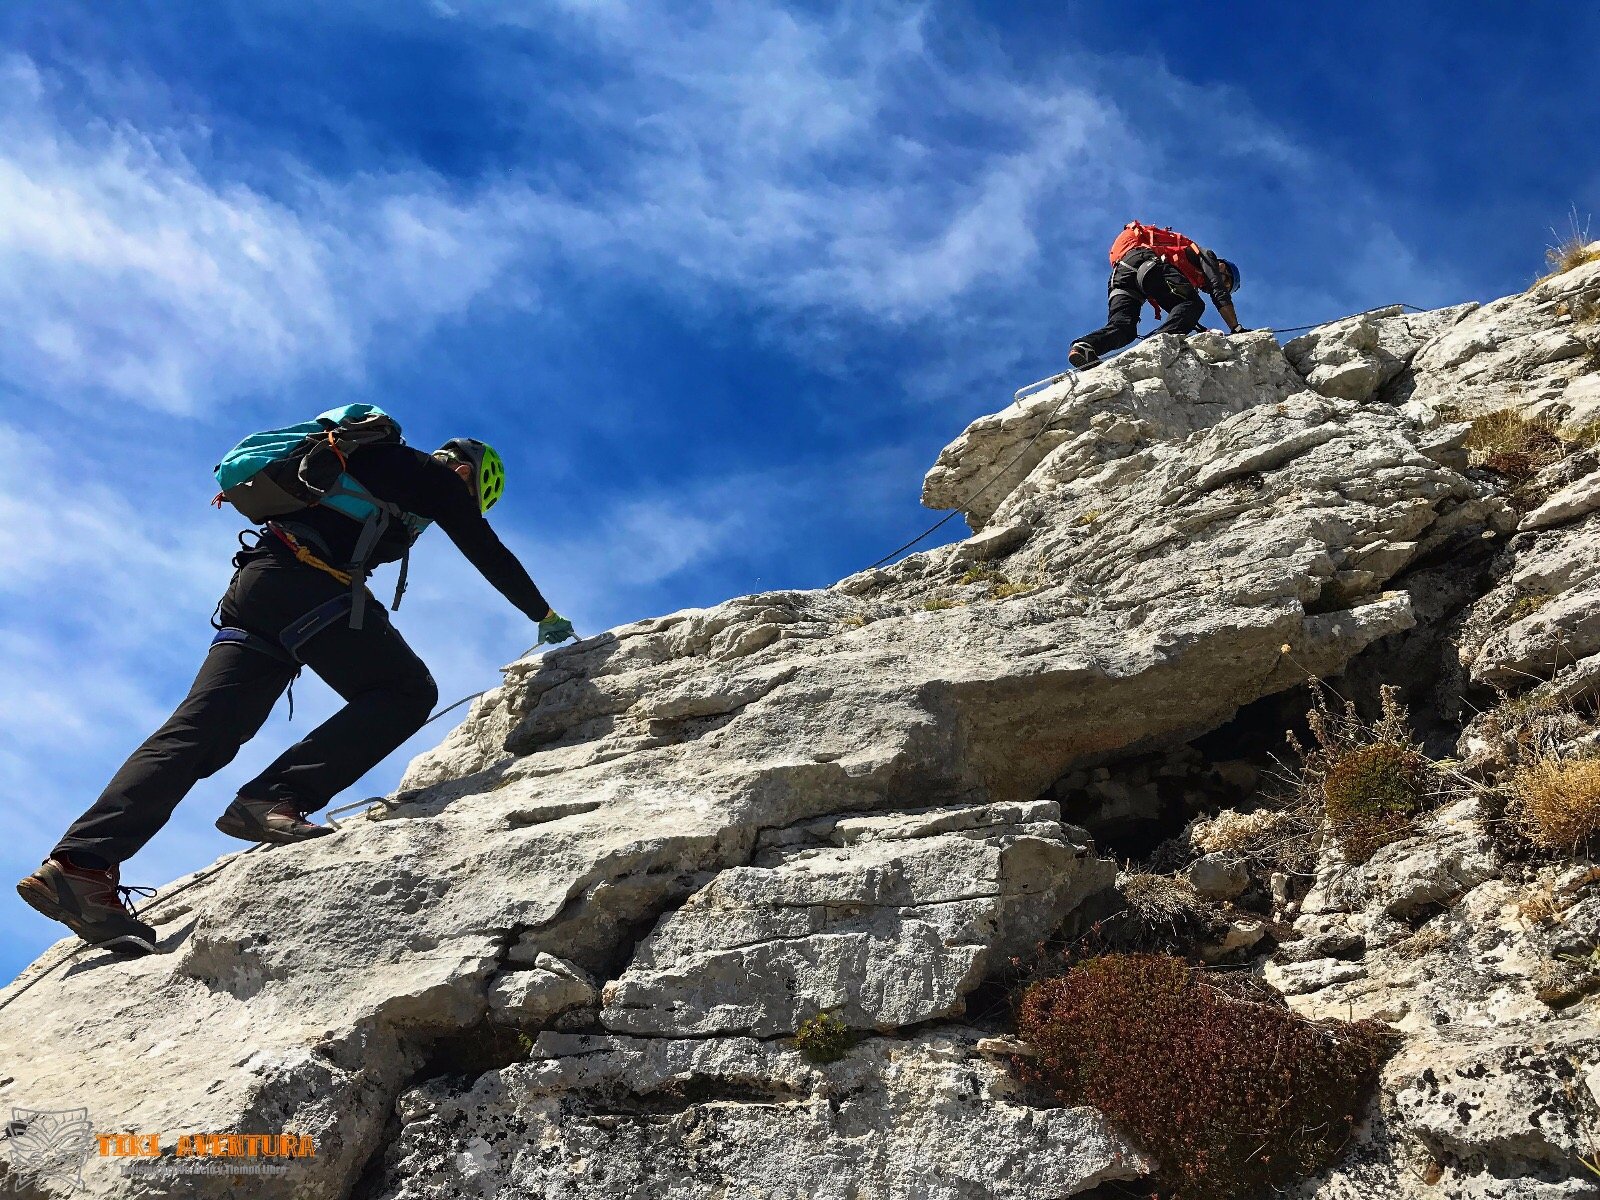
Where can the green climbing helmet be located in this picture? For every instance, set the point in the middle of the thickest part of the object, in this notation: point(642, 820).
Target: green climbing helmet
point(488, 470)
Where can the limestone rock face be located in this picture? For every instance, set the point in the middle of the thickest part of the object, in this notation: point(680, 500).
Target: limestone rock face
point(1541, 621)
point(680, 1119)
point(653, 853)
point(883, 933)
point(1526, 351)
point(1359, 357)
point(1431, 937)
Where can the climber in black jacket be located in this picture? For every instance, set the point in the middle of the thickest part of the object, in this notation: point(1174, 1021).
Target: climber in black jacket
point(286, 607)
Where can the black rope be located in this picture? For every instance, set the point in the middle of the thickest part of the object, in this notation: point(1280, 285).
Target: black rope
point(1072, 379)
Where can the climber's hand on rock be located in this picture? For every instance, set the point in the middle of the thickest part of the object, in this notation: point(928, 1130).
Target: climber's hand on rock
point(555, 628)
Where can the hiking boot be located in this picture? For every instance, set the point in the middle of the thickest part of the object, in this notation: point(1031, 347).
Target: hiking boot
point(275, 821)
point(1082, 357)
point(93, 904)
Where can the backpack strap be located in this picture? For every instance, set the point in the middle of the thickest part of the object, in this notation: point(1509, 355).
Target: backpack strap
point(376, 525)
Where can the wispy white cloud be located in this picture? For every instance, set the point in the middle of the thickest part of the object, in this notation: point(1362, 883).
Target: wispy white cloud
point(830, 162)
point(126, 274)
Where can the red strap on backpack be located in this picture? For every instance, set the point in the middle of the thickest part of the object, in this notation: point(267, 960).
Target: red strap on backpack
point(1168, 244)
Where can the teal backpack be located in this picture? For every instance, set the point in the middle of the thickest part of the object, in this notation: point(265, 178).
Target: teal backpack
point(279, 472)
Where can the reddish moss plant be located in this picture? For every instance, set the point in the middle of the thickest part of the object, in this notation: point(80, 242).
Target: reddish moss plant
point(1371, 779)
point(1229, 1091)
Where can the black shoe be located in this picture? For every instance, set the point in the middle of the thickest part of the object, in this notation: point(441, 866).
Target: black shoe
point(1082, 357)
point(93, 904)
point(275, 821)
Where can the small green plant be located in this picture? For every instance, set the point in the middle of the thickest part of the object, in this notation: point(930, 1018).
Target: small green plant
point(526, 1042)
point(983, 575)
point(1372, 779)
point(939, 603)
point(1591, 959)
point(823, 1038)
point(1526, 606)
point(1227, 1089)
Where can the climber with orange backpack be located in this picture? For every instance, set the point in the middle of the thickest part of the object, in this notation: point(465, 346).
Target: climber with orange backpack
point(1168, 271)
point(332, 498)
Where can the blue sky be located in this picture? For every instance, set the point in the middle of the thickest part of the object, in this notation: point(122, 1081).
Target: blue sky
point(719, 280)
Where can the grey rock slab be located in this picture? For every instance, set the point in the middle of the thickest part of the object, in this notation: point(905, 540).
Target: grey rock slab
point(549, 987)
point(1518, 352)
point(1164, 389)
point(925, 1117)
point(1479, 1099)
point(1356, 358)
point(1544, 613)
point(1577, 499)
point(881, 934)
point(1217, 877)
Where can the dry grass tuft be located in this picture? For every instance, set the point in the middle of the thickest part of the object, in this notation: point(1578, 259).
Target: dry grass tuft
point(1541, 906)
point(1570, 249)
point(983, 574)
point(1557, 804)
point(1514, 447)
point(1236, 832)
point(1035, 575)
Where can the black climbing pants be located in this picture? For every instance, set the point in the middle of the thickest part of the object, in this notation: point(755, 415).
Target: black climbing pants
point(1144, 276)
point(388, 694)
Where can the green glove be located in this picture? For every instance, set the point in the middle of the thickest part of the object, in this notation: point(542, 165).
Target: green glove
point(555, 628)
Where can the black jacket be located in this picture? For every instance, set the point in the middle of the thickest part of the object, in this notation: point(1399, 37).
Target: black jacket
point(416, 482)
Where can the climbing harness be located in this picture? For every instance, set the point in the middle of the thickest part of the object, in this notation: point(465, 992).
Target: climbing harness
point(303, 555)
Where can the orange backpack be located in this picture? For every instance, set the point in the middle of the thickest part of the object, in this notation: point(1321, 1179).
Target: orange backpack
point(1167, 243)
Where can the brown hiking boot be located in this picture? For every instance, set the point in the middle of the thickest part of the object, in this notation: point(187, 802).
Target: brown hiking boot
point(275, 821)
point(93, 904)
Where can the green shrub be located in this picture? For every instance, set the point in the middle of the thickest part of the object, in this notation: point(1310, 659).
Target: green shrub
point(1372, 793)
point(1371, 779)
point(823, 1038)
point(1229, 1091)
point(983, 575)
